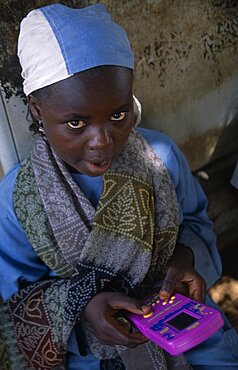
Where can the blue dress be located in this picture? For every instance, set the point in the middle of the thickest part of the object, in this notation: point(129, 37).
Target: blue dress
point(19, 262)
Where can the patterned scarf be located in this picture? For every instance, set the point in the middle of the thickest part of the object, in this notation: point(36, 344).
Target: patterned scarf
point(123, 245)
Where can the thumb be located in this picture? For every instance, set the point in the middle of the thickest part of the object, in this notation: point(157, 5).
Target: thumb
point(141, 310)
point(130, 304)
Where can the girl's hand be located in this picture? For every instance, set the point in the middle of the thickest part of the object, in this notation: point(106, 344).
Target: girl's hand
point(100, 313)
point(181, 276)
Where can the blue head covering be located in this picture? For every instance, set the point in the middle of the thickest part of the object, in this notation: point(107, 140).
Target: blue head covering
point(56, 42)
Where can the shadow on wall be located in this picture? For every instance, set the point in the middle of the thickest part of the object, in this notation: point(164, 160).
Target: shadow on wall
point(215, 179)
point(222, 197)
point(225, 153)
point(227, 144)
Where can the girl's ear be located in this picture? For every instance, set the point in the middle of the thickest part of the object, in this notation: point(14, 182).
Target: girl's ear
point(34, 107)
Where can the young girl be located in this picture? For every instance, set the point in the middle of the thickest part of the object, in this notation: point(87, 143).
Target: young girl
point(98, 213)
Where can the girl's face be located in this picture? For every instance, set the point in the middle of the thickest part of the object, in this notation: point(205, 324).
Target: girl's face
point(88, 117)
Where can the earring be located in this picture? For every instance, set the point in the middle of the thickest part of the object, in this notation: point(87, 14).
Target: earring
point(40, 127)
point(137, 111)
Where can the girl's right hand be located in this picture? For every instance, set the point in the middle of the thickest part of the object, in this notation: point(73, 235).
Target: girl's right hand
point(100, 313)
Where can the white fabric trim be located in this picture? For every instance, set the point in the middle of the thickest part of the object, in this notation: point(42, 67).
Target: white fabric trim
point(47, 67)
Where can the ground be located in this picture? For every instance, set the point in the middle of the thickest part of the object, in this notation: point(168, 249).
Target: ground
point(223, 210)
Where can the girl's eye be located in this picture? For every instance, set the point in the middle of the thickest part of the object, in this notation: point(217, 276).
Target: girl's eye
point(76, 124)
point(118, 116)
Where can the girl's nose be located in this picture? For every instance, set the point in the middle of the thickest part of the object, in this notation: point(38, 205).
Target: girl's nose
point(100, 139)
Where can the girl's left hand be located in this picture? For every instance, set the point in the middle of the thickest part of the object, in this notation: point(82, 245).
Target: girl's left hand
point(181, 276)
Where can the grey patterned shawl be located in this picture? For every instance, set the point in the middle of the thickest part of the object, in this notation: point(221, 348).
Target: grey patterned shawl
point(123, 245)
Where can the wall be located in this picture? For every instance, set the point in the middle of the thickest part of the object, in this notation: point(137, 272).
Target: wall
point(186, 70)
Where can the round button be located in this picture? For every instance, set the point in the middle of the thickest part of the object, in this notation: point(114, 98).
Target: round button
point(164, 303)
point(148, 314)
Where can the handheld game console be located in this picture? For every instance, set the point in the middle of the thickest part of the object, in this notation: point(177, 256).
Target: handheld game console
point(177, 324)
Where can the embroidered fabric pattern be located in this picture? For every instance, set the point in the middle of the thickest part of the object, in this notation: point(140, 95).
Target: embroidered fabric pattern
point(34, 219)
point(128, 210)
point(85, 283)
point(37, 348)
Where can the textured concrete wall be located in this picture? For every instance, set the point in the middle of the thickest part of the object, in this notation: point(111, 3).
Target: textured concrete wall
point(186, 70)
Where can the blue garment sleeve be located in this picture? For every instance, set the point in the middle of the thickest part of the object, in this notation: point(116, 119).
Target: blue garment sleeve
point(196, 230)
point(18, 261)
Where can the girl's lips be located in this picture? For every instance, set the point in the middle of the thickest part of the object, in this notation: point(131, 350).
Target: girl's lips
point(98, 168)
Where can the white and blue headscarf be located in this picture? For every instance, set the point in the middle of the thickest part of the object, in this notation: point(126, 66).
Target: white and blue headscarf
point(56, 41)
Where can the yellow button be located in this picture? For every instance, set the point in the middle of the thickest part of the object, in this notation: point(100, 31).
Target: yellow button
point(158, 301)
point(173, 297)
point(164, 303)
point(153, 304)
point(171, 301)
point(148, 315)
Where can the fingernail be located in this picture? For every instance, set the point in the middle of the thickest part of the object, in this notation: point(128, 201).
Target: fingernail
point(163, 294)
point(144, 308)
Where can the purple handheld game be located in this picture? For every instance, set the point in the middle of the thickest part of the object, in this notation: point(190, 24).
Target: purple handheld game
point(177, 324)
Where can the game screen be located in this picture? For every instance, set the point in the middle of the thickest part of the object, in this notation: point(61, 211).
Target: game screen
point(181, 321)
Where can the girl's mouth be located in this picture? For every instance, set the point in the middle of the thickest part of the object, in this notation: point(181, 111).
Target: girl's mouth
point(98, 168)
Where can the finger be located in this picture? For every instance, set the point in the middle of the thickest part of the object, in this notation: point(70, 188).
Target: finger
point(123, 302)
point(197, 289)
point(181, 288)
point(196, 286)
point(114, 333)
point(169, 283)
